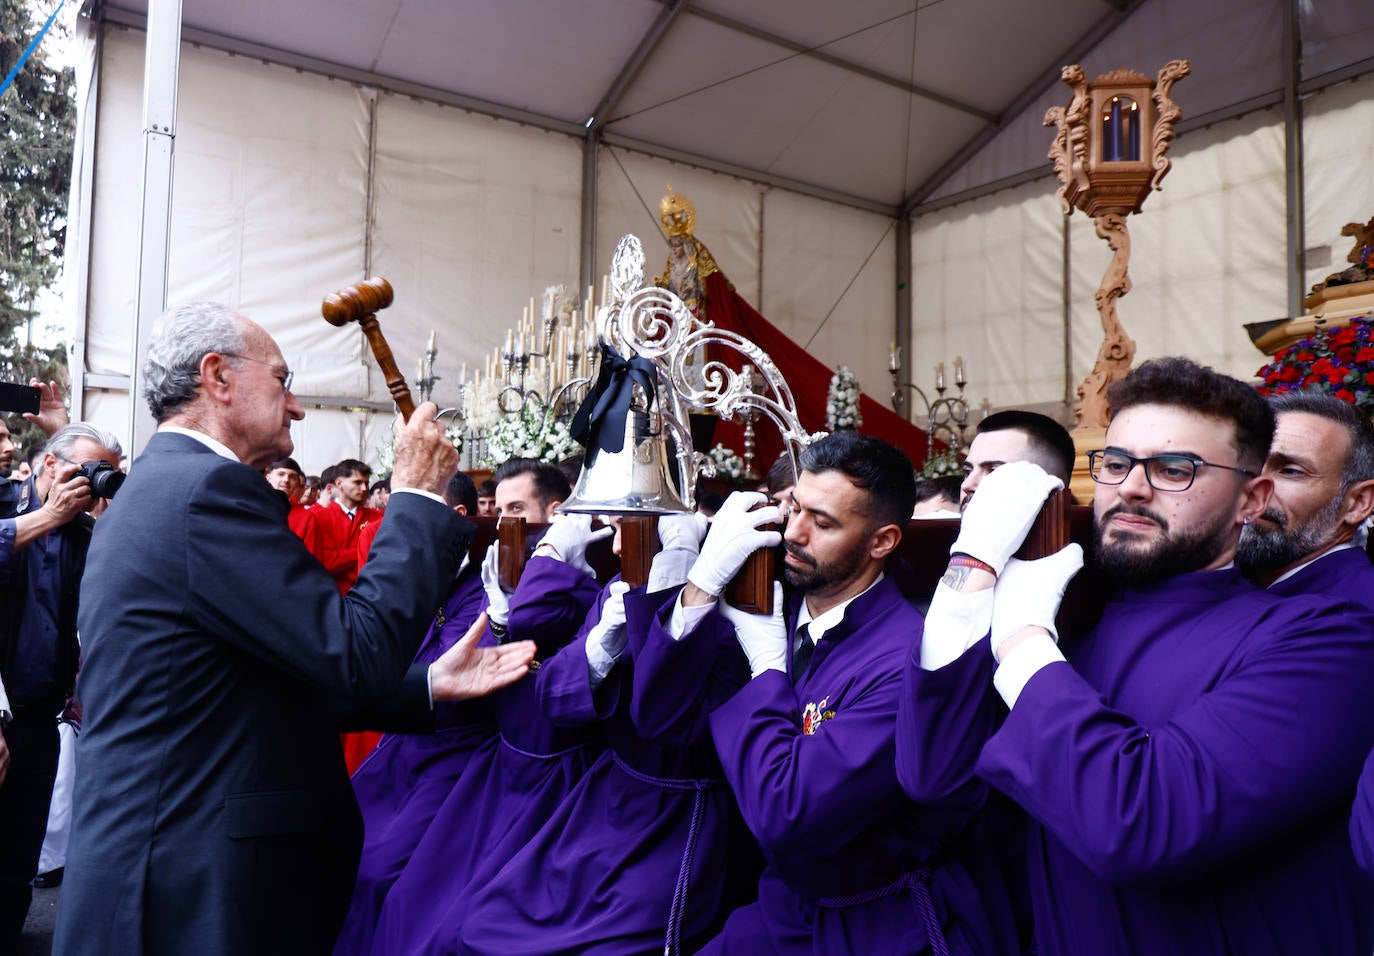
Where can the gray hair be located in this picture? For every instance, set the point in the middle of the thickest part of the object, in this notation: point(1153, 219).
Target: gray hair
point(65, 438)
point(181, 338)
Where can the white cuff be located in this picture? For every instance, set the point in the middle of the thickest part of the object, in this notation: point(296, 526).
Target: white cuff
point(955, 622)
point(684, 620)
point(420, 491)
point(429, 685)
point(669, 568)
point(1022, 663)
point(599, 660)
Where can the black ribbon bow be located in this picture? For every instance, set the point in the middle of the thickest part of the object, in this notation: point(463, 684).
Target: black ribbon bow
point(601, 418)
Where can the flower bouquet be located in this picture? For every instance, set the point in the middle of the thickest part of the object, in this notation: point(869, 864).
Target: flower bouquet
point(842, 402)
point(1339, 361)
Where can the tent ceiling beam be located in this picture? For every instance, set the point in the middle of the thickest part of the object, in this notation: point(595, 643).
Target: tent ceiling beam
point(913, 89)
point(1034, 90)
point(310, 64)
point(647, 45)
point(753, 175)
point(136, 21)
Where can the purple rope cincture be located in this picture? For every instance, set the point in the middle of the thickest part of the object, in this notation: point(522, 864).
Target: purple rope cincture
point(917, 884)
point(672, 944)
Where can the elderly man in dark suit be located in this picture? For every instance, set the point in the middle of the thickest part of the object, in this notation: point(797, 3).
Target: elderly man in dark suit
point(212, 812)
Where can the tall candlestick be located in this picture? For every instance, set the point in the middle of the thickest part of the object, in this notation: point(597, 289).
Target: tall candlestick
point(939, 376)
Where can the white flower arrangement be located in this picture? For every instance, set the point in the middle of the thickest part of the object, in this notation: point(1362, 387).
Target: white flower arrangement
point(528, 435)
point(386, 452)
point(842, 403)
point(728, 465)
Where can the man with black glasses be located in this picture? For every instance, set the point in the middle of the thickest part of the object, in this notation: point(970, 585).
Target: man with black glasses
point(1187, 768)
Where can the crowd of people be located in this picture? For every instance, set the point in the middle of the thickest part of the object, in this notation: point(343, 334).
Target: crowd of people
point(575, 764)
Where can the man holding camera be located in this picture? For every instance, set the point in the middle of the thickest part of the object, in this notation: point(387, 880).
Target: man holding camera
point(42, 556)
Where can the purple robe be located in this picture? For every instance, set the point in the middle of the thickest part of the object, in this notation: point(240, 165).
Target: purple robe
point(852, 865)
point(1186, 773)
point(647, 854)
point(401, 784)
point(1345, 574)
point(510, 786)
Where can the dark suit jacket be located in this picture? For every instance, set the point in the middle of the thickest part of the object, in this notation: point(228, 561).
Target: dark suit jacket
point(212, 811)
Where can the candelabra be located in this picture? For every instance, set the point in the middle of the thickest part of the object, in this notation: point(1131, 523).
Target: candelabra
point(947, 417)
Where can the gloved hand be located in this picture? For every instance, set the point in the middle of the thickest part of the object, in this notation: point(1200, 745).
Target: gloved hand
point(679, 531)
point(763, 636)
point(1028, 593)
point(734, 535)
point(567, 540)
point(680, 537)
point(606, 641)
point(1002, 511)
point(498, 604)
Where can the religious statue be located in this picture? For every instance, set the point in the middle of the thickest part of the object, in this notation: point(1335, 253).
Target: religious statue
point(689, 261)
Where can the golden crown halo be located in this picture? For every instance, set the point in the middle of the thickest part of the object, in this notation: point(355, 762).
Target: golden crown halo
point(677, 214)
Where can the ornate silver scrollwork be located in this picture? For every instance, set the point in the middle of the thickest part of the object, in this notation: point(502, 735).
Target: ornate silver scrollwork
point(656, 324)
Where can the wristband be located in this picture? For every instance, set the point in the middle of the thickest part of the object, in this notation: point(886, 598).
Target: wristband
point(969, 561)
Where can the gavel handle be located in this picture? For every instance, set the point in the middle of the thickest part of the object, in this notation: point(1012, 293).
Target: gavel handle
point(395, 381)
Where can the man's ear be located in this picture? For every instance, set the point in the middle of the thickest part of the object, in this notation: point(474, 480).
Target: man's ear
point(1254, 498)
point(884, 541)
point(461, 509)
point(216, 376)
point(1359, 503)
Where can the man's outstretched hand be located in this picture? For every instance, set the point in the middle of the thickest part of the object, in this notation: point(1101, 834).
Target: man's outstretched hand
point(466, 670)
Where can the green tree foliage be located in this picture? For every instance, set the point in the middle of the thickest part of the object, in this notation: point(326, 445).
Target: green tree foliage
point(37, 120)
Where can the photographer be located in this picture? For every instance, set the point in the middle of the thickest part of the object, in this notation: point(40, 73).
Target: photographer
point(42, 556)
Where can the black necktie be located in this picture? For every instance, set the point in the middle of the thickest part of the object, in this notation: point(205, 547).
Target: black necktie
point(801, 657)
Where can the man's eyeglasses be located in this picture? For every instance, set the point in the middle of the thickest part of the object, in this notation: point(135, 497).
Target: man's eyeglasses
point(287, 375)
point(1163, 472)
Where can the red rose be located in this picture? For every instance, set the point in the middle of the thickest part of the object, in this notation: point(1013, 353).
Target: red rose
point(1365, 354)
point(1345, 395)
point(1343, 336)
point(1321, 366)
point(1290, 375)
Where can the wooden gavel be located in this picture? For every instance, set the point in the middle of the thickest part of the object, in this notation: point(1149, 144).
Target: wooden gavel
point(361, 303)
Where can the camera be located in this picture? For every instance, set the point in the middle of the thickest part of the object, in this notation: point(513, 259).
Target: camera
point(105, 479)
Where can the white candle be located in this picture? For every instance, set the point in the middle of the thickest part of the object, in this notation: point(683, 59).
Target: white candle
point(940, 375)
point(433, 337)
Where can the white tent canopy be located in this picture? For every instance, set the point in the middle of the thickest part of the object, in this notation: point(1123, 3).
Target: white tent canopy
point(475, 152)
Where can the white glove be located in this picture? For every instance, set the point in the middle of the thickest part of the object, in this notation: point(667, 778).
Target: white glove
point(763, 636)
point(679, 531)
point(498, 604)
point(680, 537)
point(1028, 593)
point(606, 641)
point(734, 535)
point(567, 540)
point(1002, 511)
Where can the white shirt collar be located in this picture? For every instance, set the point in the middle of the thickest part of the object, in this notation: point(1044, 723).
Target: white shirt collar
point(827, 619)
point(1294, 570)
point(217, 447)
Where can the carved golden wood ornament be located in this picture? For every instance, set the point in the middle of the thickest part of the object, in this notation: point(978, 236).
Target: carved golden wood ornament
point(1109, 153)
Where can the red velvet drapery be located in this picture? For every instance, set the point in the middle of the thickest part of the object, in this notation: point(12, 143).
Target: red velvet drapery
point(808, 377)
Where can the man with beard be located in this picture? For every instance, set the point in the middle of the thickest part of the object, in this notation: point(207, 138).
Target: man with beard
point(1322, 466)
point(1186, 768)
point(807, 745)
